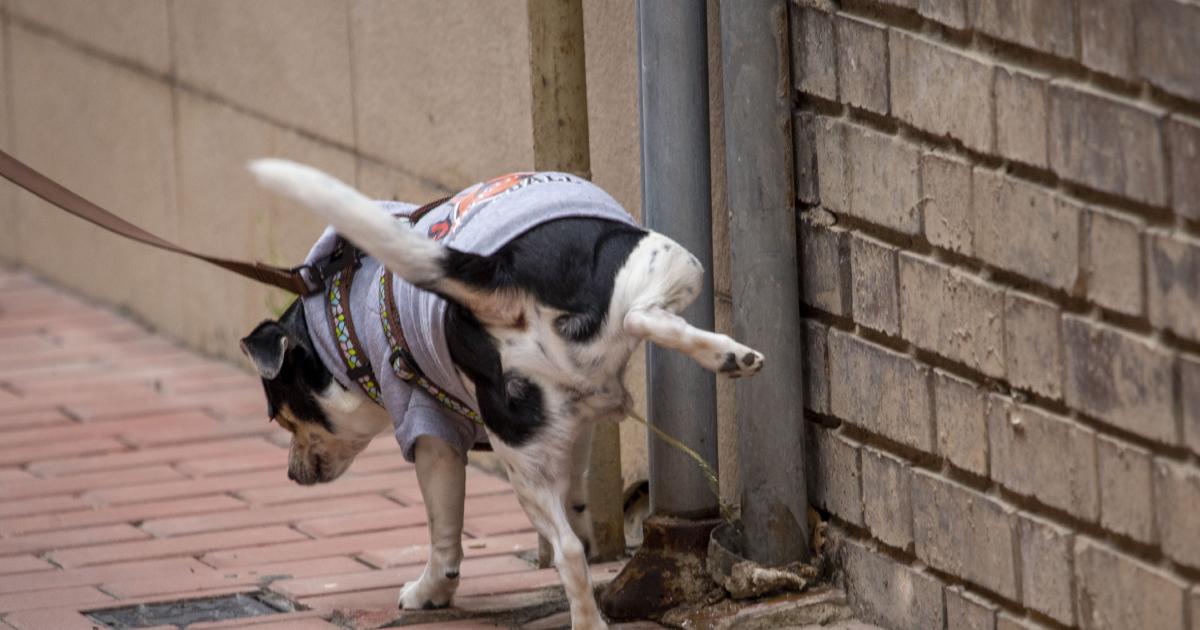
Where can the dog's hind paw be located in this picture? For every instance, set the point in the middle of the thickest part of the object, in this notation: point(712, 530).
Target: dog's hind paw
point(739, 363)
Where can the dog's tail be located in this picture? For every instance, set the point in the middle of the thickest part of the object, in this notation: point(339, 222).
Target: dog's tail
point(401, 249)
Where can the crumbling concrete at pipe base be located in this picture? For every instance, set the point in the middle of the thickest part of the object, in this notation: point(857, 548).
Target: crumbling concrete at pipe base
point(669, 570)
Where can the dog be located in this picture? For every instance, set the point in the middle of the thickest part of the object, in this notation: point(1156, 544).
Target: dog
point(540, 332)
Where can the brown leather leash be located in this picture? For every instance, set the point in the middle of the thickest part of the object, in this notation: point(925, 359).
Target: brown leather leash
point(301, 280)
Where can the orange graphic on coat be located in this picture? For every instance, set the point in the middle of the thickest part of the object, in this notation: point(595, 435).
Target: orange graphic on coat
point(474, 197)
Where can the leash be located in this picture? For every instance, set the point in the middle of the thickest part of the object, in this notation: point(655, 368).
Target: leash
point(302, 280)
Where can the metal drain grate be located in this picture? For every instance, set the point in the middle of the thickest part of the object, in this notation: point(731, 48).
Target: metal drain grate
point(183, 613)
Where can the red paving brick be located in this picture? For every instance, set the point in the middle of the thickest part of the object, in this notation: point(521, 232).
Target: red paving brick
point(274, 515)
point(130, 513)
point(133, 471)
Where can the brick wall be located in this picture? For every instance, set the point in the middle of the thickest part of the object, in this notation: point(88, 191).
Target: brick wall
point(1001, 260)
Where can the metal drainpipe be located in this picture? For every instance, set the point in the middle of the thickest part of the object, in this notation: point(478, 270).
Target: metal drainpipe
point(766, 300)
point(673, 76)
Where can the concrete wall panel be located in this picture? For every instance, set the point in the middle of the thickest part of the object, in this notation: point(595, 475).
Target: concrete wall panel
point(441, 87)
point(288, 59)
point(105, 132)
point(134, 30)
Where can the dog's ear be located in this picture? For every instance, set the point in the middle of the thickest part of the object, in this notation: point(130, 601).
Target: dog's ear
point(267, 346)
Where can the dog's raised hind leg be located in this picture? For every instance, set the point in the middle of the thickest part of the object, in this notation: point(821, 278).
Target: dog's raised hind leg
point(442, 476)
point(714, 351)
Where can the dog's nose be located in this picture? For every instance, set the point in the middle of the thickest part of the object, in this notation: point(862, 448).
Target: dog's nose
point(291, 476)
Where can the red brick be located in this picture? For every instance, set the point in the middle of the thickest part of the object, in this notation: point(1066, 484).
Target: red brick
point(178, 489)
point(316, 548)
point(281, 514)
point(32, 419)
point(81, 483)
point(123, 514)
point(56, 618)
point(284, 493)
point(56, 598)
point(234, 449)
point(208, 579)
point(30, 453)
point(182, 545)
point(393, 517)
point(14, 474)
point(393, 578)
point(386, 557)
point(165, 570)
point(70, 538)
point(22, 564)
point(270, 458)
point(175, 435)
point(41, 505)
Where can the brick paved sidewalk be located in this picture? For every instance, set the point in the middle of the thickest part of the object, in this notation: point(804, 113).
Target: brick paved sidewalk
point(134, 471)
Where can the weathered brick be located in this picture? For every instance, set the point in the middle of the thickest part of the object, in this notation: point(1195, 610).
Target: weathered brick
point(882, 177)
point(941, 91)
point(1189, 385)
point(1021, 117)
point(906, 4)
point(1043, 456)
point(1173, 292)
point(1118, 378)
point(1167, 46)
point(1195, 597)
point(1046, 576)
point(1106, 31)
point(1112, 262)
point(825, 267)
point(1117, 592)
point(815, 53)
point(967, 611)
point(952, 313)
point(882, 391)
point(831, 164)
point(1032, 352)
point(1046, 25)
point(887, 509)
point(873, 269)
point(886, 592)
point(808, 190)
point(1006, 621)
point(961, 428)
point(964, 533)
point(1177, 497)
point(946, 188)
point(1111, 145)
point(816, 367)
point(1183, 136)
point(1125, 490)
point(862, 64)
point(952, 13)
point(1026, 229)
point(833, 474)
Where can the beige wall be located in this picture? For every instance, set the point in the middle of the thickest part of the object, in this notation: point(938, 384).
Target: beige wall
point(152, 108)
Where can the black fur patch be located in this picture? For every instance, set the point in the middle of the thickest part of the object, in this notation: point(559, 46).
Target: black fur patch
point(301, 374)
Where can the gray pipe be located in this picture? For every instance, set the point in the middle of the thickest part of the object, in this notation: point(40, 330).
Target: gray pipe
point(673, 75)
point(766, 289)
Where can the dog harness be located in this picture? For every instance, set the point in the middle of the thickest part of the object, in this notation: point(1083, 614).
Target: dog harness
point(387, 337)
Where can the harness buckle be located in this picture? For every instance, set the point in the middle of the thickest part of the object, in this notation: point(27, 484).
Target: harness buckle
point(312, 277)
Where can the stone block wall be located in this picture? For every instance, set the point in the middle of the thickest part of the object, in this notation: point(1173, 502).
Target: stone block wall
point(1001, 267)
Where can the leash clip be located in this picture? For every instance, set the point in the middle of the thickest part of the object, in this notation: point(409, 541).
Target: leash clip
point(312, 277)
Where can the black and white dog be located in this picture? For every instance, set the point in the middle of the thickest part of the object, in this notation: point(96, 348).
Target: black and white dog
point(540, 331)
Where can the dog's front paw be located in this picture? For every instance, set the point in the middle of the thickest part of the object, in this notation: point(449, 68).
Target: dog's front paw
point(428, 593)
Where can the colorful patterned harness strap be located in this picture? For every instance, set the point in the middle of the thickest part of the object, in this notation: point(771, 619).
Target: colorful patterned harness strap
point(401, 358)
point(358, 367)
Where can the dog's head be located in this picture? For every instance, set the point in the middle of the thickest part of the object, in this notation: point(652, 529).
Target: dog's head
point(329, 424)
